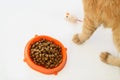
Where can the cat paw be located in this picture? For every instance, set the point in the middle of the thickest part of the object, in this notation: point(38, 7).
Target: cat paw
point(104, 56)
point(76, 39)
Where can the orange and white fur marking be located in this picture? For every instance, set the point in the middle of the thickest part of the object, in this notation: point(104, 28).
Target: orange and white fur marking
point(97, 12)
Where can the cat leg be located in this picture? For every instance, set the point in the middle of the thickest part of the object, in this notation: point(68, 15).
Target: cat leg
point(116, 37)
point(89, 26)
point(109, 59)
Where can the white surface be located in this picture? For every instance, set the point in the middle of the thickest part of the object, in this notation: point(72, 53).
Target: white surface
point(20, 20)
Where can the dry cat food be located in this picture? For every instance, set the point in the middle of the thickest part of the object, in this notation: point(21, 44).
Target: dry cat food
point(46, 53)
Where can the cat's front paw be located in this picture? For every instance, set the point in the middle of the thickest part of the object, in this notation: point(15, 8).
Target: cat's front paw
point(76, 39)
point(104, 56)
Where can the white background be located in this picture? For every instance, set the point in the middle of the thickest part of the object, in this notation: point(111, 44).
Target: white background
point(20, 20)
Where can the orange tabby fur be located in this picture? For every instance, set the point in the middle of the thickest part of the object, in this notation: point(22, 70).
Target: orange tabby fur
point(97, 12)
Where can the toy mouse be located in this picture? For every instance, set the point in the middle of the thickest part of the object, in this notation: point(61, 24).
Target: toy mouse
point(72, 19)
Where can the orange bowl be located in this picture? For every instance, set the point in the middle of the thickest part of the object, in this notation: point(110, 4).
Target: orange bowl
point(41, 69)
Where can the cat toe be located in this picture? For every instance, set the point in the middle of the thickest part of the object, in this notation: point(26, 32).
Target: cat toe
point(104, 56)
point(76, 39)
